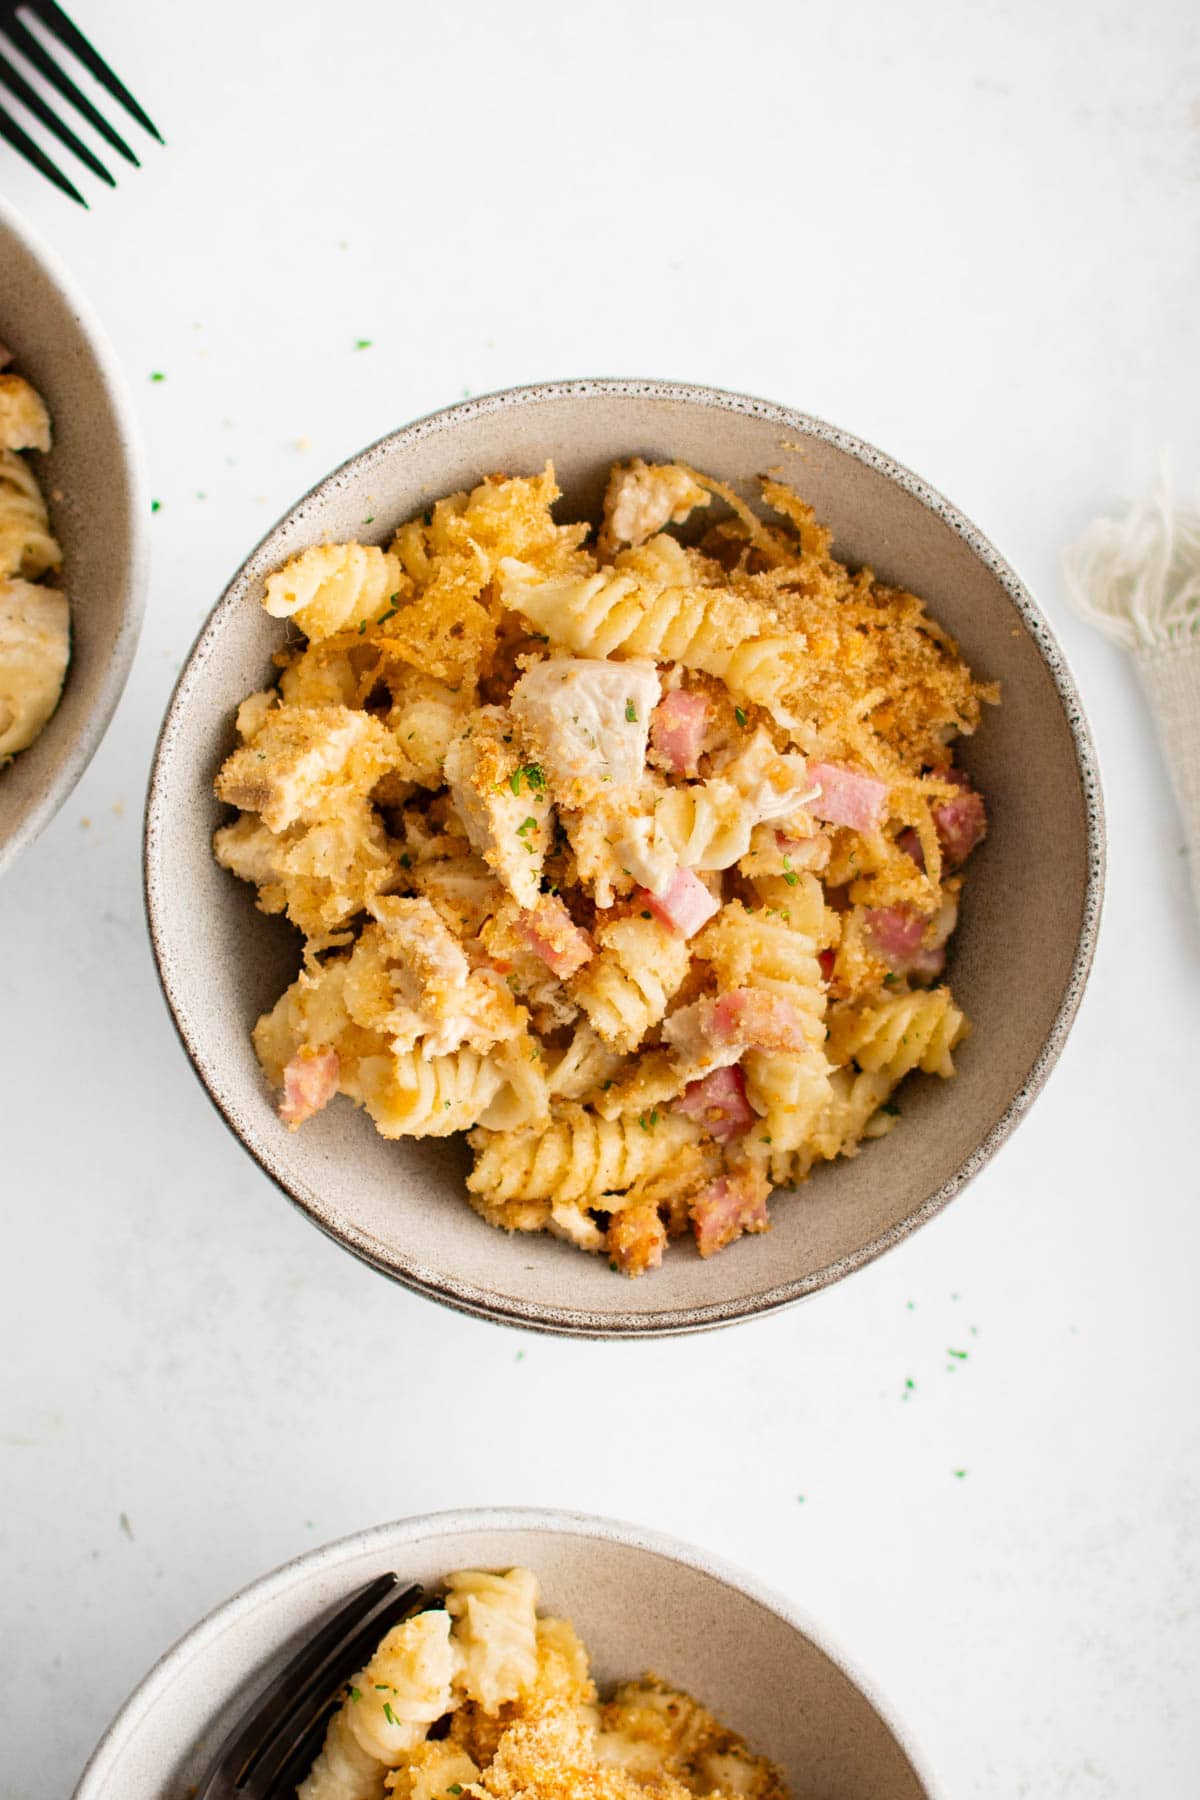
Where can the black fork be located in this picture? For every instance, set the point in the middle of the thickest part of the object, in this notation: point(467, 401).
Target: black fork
point(273, 1746)
point(18, 36)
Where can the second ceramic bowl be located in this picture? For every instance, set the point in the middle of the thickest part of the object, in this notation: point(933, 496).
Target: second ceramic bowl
point(93, 481)
point(639, 1602)
point(1021, 954)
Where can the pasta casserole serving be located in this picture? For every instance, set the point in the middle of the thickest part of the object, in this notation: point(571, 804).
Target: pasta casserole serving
point(636, 859)
point(35, 630)
point(485, 1699)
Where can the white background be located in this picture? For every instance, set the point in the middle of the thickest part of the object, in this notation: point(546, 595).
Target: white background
point(968, 233)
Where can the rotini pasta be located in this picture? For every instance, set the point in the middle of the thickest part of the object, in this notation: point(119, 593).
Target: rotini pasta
point(636, 861)
point(626, 987)
point(578, 1156)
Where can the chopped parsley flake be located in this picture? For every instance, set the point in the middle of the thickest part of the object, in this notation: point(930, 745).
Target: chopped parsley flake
point(530, 824)
point(362, 626)
point(389, 614)
point(363, 343)
point(157, 375)
point(631, 712)
point(355, 1693)
point(647, 915)
point(456, 1786)
point(764, 1140)
point(960, 1355)
point(388, 1714)
point(739, 714)
point(156, 506)
point(892, 1111)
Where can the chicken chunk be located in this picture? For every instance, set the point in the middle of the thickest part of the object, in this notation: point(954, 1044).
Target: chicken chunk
point(300, 758)
point(502, 801)
point(35, 644)
point(587, 721)
point(643, 497)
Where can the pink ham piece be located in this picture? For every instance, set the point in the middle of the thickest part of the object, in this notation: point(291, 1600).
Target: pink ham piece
point(712, 1034)
point(552, 934)
point(685, 904)
point(961, 823)
point(899, 934)
point(718, 1103)
point(846, 797)
point(677, 727)
point(729, 1206)
point(309, 1082)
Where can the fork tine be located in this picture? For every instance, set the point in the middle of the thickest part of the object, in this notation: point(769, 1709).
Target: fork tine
point(55, 19)
point(283, 1783)
point(34, 51)
point(273, 1709)
point(279, 1749)
point(12, 78)
point(21, 141)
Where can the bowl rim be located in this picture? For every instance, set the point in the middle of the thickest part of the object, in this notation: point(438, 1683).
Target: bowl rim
point(111, 683)
point(575, 1321)
point(104, 1761)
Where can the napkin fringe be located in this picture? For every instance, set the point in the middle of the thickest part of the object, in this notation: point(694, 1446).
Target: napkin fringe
point(1137, 579)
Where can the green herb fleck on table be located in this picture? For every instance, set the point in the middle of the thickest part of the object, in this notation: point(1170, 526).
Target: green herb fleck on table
point(157, 375)
point(959, 1474)
point(363, 343)
point(910, 1386)
point(156, 506)
point(959, 1355)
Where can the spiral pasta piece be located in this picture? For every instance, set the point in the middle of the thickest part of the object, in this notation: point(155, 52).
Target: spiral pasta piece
point(577, 1156)
point(331, 586)
point(417, 1096)
point(902, 1032)
point(706, 824)
point(615, 614)
point(27, 545)
point(759, 949)
point(627, 986)
point(494, 1633)
point(388, 1711)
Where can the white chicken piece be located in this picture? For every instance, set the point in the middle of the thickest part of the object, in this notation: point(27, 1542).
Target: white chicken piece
point(643, 497)
point(35, 645)
point(771, 785)
point(409, 979)
point(502, 801)
point(587, 721)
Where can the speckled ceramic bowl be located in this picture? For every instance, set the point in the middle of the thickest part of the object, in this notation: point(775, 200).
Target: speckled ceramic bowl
point(638, 1601)
point(100, 519)
point(1020, 957)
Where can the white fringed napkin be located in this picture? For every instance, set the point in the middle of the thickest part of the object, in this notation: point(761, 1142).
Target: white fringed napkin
point(1138, 580)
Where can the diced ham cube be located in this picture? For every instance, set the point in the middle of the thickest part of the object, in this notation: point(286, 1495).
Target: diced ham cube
point(897, 932)
point(685, 904)
point(711, 1034)
point(757, 1019)
point(729, 1206)
point(310, 1081)
point(636, 1238)
point(961, 823)
point(677, 728)
point(847, 797)
point(900, 936)
point(552, 934)
point(718, 1103)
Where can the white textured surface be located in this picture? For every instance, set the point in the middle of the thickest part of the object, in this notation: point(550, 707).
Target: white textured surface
point(969, 234)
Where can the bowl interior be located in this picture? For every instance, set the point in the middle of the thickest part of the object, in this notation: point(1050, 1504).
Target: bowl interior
point(92, 486)
point(1019, 958)
point(758, 1670)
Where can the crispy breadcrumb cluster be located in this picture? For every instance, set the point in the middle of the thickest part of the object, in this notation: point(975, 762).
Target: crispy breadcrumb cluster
point(489, 1700)
point(634, 854)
